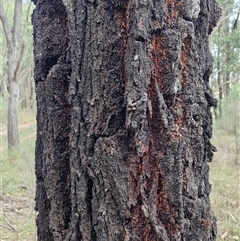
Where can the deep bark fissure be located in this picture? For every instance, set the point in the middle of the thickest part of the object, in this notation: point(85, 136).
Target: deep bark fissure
point(89, 196)
point(83, 40)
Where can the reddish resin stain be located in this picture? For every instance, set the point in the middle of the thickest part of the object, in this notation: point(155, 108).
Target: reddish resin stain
point(140, 223)
point(148, 166)
point(185, 59)
point(172, 11)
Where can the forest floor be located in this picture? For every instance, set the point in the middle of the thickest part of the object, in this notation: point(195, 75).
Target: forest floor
point(17, 220)
point(225, 181)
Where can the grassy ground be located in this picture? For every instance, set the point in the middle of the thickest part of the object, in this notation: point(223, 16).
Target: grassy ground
point(225, 180)
point(17, 221)
point(17, 182)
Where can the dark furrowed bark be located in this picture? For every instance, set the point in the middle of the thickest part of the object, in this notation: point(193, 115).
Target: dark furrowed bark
point(140, 121)
point(52, 70)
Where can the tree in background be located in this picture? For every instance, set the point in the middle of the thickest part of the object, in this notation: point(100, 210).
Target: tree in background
point(27, 88)
point(124, 120)
point(13, 39)
point(18, 64)
point(226, 71)
point(226, 51)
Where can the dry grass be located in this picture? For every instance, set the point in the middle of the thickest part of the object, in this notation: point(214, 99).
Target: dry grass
point(225, 180)
point(17, 182)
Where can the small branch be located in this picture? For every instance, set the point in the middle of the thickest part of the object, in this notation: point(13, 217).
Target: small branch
point(3, 226)
point(6, 28)
point(9, 224)
point(234, 219)
point(235, 22)
point(17, 21)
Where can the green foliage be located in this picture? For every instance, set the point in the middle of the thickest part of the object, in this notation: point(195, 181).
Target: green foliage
point(225, 45)
point(225, 79)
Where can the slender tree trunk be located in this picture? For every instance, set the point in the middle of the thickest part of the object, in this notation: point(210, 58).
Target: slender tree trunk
point(226, 83)
point(219, 75)
point(13, 103)
point(13, 90)
point(237, 135)
point(13, 36)
point(226, 51)
point(124, 120)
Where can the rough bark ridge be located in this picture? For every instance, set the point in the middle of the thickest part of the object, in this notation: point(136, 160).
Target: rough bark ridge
point(52, 71)
point(139, 140)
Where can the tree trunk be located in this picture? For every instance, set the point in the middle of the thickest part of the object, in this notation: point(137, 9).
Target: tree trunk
point(219, 77)
point(13, 90)
point(124, 121)
point(13, 37)
point(226, 50)
point(13, 103)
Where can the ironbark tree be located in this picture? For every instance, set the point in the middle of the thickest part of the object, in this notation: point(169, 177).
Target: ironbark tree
point(124, 121)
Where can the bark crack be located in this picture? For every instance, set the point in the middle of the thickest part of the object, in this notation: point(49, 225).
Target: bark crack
point(88, 199)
